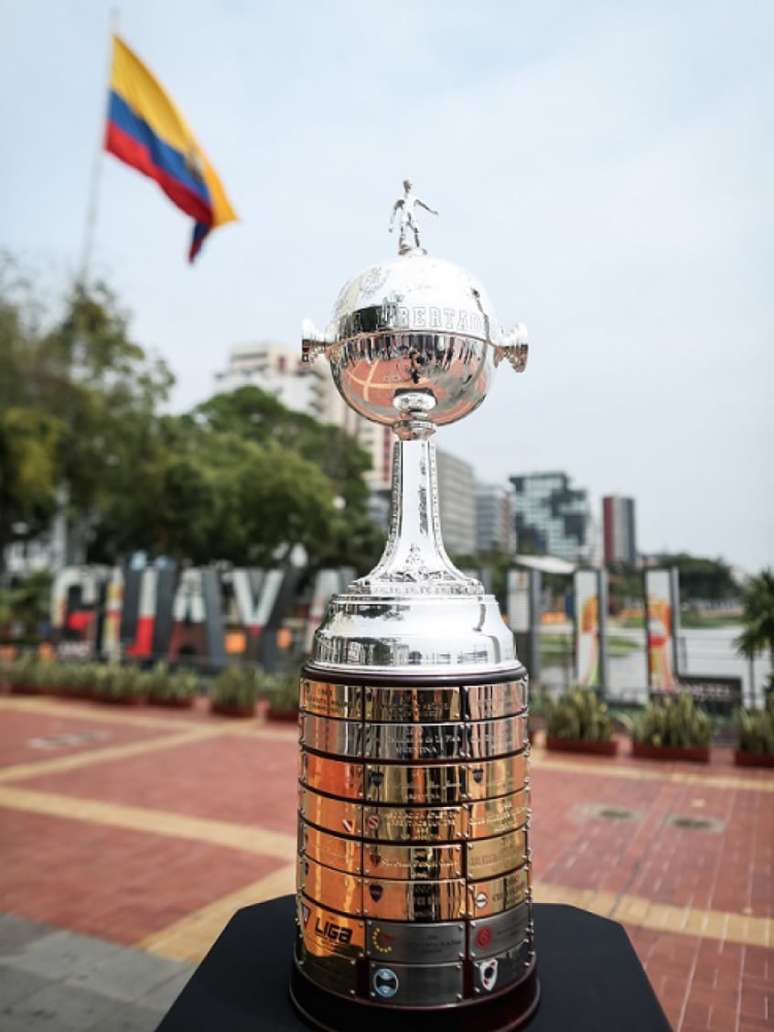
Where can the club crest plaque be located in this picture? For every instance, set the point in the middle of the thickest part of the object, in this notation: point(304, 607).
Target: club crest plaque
point(413, 894)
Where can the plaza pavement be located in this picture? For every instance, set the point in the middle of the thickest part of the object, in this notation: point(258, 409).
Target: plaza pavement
point(128, 837)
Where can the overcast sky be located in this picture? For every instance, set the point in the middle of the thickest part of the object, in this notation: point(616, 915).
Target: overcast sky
point(605, 168)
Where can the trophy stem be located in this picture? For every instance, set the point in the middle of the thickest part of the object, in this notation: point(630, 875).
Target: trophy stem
point(414, 555)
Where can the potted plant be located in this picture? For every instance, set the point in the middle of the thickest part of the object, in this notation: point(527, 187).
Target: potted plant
point(70, 680)
point(126, 686)
point(82, 680)
point(672, 729)
point(579, 722)
point(755, 745)
point(177, 689)
point(234, 692)
point(282, 696)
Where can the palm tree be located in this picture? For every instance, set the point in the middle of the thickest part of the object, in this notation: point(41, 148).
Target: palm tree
point(758, 618)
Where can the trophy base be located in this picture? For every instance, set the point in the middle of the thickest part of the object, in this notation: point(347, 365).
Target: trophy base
point(328, 1012)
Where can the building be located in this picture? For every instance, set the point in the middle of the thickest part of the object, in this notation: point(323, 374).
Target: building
point(457, 504)
point(551, 517)
point(618, 530)
point(495, 530)
point(272, 367)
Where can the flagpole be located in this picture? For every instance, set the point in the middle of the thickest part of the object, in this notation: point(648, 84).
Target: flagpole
point(92, 207)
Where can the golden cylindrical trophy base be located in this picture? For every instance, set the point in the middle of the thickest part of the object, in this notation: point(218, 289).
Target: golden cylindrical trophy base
point(413, 889)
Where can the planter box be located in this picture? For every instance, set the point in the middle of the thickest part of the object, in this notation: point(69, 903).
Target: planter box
point(123, 700)
point(753, 759)
point(24, 689)
point(173, 703)
point(229, 710)
point(286, 716)
point(692, 753)
point(578, 745)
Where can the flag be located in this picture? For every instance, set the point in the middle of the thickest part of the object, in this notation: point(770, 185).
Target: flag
point(146, 130)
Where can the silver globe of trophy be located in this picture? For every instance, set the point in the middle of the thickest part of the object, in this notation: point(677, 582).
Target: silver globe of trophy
point(413, 888)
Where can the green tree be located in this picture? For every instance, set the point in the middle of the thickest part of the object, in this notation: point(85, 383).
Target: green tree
point(258, 416)
point(350, 537)
point(758, 618)
point(702, 579)
point(77, 402)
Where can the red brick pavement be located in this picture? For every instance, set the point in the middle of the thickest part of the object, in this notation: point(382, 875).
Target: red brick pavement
point(30, 737)
point(120, 885)
point(251, 780)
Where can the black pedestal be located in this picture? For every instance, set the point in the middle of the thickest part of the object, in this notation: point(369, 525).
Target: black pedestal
point(591, 979)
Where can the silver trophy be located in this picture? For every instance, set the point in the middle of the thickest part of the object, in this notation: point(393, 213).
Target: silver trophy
point(413, 860)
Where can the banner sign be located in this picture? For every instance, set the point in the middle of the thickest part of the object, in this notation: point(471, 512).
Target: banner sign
point(587, 608)
point(661, 608)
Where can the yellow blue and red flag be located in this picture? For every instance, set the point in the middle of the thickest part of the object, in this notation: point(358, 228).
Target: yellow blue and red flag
point(146, 130)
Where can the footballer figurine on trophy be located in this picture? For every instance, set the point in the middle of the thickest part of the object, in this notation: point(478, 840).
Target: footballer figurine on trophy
point(413, 887)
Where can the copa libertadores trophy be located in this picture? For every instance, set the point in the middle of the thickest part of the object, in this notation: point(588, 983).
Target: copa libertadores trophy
point(413, 889)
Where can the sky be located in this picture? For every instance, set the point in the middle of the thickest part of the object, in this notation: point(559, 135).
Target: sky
point(605, 168)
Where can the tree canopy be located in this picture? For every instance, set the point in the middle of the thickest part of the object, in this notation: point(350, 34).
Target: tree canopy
point(82, 426)
point(702, 579)
point(758, 618)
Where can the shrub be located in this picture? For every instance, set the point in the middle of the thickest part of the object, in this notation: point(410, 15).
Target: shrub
point(579, 715)
point(281, 692)
point(236, 688)
point(121, 684)
point(164, 686)
point(756, 731)
point(673, 722)
point(25, 673)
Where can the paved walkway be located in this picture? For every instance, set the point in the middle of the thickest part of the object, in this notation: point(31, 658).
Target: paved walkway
point(130, 836)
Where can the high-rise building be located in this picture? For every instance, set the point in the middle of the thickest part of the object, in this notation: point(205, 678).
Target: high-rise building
point(495, 530)
point(551, 517)
point(457, 504)
point(618, 530)
point(273, 368)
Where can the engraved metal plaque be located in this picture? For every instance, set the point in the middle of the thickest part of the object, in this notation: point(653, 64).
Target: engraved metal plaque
point(487, 701)
point(497, 894)
point(496, 816)
point(496, 737)
point(425, 943)
point(327, 934)
point(498, 972)
point(415, 985)
point(487, 778)
point(336, 815)
point(417, 824)
point(435, 784)
point(413, 704)
point(336, 777)
point(332, 973)
point(339, 737)
point(492, 856)
point(332, 850)
point(344, 701)
point(335, 889)
point(491, 935)
point(414, 901)
point(415, 741)
point(413, 863)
